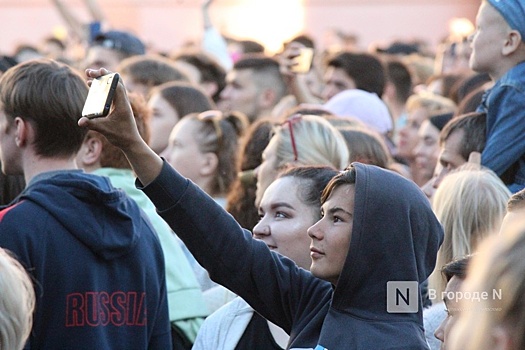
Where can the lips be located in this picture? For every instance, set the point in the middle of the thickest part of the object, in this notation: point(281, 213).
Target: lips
point(315, 253)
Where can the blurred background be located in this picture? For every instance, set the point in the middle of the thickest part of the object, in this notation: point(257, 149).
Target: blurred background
point(166, 25)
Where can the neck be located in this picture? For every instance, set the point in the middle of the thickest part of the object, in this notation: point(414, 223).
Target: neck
point(34, 166)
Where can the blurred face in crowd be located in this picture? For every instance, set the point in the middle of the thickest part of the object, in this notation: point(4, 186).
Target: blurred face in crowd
point(336, 80)
point(427, 149)
point(450, 157)
point(163, 119)
point(408, 135)
point(240, 93)
point(98, 57)
point(331, 235)
point(285, 219)
point(183, 151)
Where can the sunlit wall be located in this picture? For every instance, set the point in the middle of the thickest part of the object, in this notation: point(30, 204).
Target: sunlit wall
point(268, 21)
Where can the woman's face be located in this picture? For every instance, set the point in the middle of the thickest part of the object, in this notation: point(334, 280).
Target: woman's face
point(427, 149)
point(331, 235)
point(164, 118)
point(408, 134)
point(285, 219)
point(183, 149)
point(267, 171)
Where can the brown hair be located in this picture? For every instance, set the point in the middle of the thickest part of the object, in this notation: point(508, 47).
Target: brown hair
point(219, 133)
point(241, 197)
point(49, 95)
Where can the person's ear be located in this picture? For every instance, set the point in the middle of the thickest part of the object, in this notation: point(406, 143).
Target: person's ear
point(209, 164)
point(267, 98)
point(24, 132)
point(90, 152)
point(512, 43)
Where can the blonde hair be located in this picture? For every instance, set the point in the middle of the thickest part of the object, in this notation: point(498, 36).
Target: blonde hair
point(470, 204)
point(434, 104)
point(317, 142)
point(498, 270)
point(17, 302)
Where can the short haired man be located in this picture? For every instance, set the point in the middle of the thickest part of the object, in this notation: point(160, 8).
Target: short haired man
point(348, 70)
point(455, 273)
point(96, 260)
point(460, 137)
point(254, 86)
point(110, 48)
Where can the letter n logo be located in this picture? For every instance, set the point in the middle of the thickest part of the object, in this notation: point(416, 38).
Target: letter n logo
point(402, 297)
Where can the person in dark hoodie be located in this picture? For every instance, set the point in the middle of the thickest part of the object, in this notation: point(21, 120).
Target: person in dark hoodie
point(96, 261)
point(377, 227)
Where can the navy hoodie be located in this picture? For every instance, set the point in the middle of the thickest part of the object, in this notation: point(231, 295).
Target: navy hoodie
point(97, 264)
point(395, 237)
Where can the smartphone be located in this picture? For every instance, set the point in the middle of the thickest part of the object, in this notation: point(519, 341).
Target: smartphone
point(304, 60)
point(100, 96)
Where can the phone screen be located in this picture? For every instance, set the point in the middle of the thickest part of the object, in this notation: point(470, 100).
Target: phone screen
point(100, 96)
point(304, 60)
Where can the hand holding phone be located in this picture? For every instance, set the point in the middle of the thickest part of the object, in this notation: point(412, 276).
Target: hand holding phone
point(303, 61)
point(100, 96)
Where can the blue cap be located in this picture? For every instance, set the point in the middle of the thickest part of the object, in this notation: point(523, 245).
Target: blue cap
point(121, 41)
point(513, 11)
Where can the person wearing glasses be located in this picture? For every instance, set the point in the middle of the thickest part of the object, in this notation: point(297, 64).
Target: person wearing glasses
point(290, 205)
point(300, 140)
point(356, 248)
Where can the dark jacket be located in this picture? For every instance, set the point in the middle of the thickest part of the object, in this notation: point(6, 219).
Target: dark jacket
point(97, 264)
point(395, 237)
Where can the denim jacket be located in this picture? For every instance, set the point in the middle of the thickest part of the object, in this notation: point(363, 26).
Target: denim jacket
point(504, 104)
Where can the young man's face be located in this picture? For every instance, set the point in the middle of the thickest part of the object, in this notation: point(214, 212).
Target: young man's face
point(488, 40)
point(450, 157)
point(240, 93)
point(336, 80)
point(331, 235)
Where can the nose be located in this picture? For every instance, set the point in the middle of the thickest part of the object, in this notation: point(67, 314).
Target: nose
point(440, 177)
point(315, 232)
point(225, 93)
point(440, 333)
point(261, 229)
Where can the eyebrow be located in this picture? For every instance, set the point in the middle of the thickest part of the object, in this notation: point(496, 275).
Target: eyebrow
point(338, 209)
point(281, 204)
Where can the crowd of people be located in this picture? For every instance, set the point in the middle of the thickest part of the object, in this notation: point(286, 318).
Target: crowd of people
point(370, 199)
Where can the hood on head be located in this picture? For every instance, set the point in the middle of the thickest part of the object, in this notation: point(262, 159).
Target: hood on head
point(395, 237)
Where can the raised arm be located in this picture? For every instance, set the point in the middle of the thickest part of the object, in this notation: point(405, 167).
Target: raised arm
point(120, 129)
